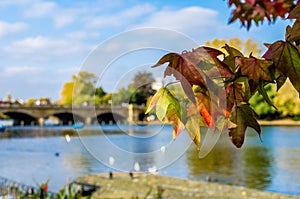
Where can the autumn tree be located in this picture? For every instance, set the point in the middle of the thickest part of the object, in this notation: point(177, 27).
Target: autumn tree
point(246, 47)
point(81, 90)
point(219, 85)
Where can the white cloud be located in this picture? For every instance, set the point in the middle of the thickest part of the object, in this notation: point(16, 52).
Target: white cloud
point(60, 16)
point(122, 18)
point(40, 9)
point(44, 48)
point(68, 72)
point(21, 71)
point(83, 35)
point(187, 20)
point(4, 3)
point(11, 28)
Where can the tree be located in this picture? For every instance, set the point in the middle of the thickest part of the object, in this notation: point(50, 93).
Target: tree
point(67, 93)
point(81, 90)
point(246, 47)
point(219, 85)
point(137, 91)
point(142, 86)
point(287, 102)
point(31, 102)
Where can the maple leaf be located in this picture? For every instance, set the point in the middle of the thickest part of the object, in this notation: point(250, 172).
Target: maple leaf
point(183, 70)
point(171, 116)
point(286, 59)
point(254, 68)
point(293, 33)
point(154, 100)
point(230, 59)
point(206, 58)
point(242, 116)
point(237, 91)
point(167, 109)
point(264, 94)
point(193, 128)
point(295, 13)
point(185, 67)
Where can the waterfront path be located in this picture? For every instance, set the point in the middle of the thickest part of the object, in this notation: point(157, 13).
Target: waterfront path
point(124, 186)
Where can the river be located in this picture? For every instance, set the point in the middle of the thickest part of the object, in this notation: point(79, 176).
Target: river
point(271, 165)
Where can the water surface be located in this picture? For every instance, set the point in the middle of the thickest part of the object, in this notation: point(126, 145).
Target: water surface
point(272, 165)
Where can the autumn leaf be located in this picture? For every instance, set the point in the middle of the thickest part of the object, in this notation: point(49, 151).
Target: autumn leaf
point(237, 91)
point(254, 68)
point(229, 60)
point(295, 13)
point(188, 67)
point(167, 109)
point(165, 103)
point(286, 59)
point(171, 116)
point(264, 94)
point(154, 100)
point(183, 70)
point(293, 33)
point(280, 80)
point(243, 116)
point(206, 58)
point(193, 128)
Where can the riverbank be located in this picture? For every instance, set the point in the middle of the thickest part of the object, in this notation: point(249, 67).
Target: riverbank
point(281, 122)
point(143, 185)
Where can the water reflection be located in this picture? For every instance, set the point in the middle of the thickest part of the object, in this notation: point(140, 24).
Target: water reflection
point(249, 166)
point(272, 165)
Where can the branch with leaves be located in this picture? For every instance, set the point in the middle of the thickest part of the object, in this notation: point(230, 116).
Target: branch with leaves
point(220, 85)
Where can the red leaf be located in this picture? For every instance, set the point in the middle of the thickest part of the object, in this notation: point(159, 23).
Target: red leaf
point(255, 69)
point(242, 116)
point(184, 71)
point(286, 59)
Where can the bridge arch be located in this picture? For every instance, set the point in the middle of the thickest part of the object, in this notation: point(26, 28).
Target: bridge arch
point(67, 118)
point(109, 118)
point(21, 118)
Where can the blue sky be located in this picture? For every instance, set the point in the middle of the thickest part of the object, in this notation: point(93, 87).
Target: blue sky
point(42, 43)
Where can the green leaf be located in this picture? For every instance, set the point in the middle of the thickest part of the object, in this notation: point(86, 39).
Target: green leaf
point(281, 79)
point(294, 34)
point(242, 116)
point(165, 103)
point(229, 60)
point(286, 59)
point(154, 100)
point(263, 92)
point(254, 68)
point(167, 109)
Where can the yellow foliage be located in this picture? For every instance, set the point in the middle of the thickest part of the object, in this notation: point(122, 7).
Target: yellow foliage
point(66, 93)
point(287, 100)
point(246, 47)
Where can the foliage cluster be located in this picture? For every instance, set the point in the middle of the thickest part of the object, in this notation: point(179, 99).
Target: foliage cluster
point(81, 90)
point(69, 192)
point(137, 92)
point(220, 85)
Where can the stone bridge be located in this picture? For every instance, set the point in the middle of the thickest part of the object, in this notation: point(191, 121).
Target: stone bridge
point(67, 115)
